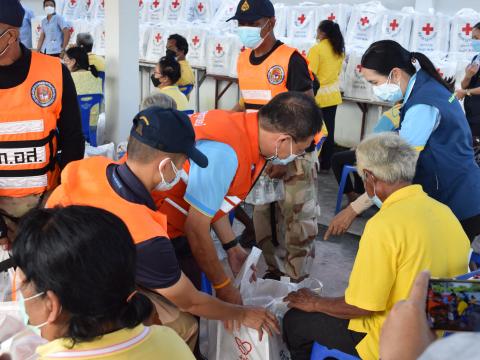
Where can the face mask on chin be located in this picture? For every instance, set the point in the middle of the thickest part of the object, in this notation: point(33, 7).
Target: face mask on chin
point(276, 161)
point(164, 185)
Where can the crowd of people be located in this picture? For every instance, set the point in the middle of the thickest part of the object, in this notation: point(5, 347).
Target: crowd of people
point(109, 255)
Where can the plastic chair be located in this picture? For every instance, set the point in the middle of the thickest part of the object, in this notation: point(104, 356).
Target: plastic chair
point(186, 90)
point(468, 275)
point(347, 170)
point(188, 112)
point(475, 258)
point(231, 216)
point(101, 75)
point(206, 285)
point(86, 103)
point(320, 352)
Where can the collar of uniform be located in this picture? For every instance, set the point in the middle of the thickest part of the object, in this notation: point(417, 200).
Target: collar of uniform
point(252, 123)
point(62, 346)
point(134, 186)
point(170, 87)
point(410, 86)
point(403, 193)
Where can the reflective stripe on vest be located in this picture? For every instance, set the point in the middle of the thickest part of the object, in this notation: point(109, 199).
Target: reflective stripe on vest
point(103, 351)
point(28, 122)
point(85, 182)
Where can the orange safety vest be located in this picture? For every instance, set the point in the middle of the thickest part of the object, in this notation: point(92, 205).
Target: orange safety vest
point(261, 83)
point(238, 130)
point(28, 123)
point(85, 182)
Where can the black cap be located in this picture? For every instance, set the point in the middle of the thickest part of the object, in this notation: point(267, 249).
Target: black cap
point(11, 13)
point(167, 130)
point(252, 10)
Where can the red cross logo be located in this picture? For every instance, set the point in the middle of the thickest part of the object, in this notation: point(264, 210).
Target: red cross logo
point(467, 29)
point(73, 2)
point(71, 30)
point(89, 2)
point(302, 19)
point(428, 29)
point(140, 3)
point(195, 40)
point(200, 7)
point(394, 24)
point(331, 17)
point(158, 37)
point(364, 21)
point(359, 68)
point(175, 4)
point(219, 48)
point(440, 72)
point(155, 4)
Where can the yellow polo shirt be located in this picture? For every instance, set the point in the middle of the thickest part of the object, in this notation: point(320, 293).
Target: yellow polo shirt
point(97, 60)
point(146, 343)
point(187, 77)
point(175, 93)
point(411, 233)
point(327, 66)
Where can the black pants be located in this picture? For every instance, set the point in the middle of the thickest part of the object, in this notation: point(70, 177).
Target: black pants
point(302, 329)
point(471, 227)
point(475, 127)
point(327, 148)
point(340, 159)
point(187, 261)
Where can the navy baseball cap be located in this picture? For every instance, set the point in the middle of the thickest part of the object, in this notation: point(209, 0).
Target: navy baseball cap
point(167, 130)
point(11, 13)
point(252, 10)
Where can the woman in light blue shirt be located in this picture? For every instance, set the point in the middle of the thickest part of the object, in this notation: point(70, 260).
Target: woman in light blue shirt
point(55, 32)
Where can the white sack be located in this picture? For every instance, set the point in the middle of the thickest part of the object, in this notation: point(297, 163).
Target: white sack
point(197, 45)
point(340, 13)
point(461, 31)
point(302, 22)
point(220, 50)
point(430, 34)
point(75, 9)
point(179, 10)
point(157, 43)
point(355, 84)
point(155, 10)
point(397, 26)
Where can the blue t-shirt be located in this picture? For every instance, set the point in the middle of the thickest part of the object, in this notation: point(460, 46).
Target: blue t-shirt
point(53, 30)
point(207, 187)
point(420, 121)
point(26, 29)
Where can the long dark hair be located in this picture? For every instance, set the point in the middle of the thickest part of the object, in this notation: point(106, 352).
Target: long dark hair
point(382, 56)
point(170, 68)
point(79, 54)
point(86, 257)
point(333, 33)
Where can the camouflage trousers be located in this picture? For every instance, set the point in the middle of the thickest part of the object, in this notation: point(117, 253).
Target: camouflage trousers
point(296, 222)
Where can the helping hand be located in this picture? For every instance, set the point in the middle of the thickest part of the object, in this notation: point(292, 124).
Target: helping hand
point(236, 257)
point(230, 294)
point(341, 222)
point(472, 70)
point(261, 320)
point(303, 299)
point(460, 94)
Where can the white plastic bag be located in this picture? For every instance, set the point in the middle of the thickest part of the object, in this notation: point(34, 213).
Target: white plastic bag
point(205, 10)
point(157, 43)
point(302, 22)
point(22, 342)
point(155, 11)
point(266, 191)
point(339, 13)
point(355, 84)
point(237, 49)
point(363, 25)
point(225, 11)
point(197, 45)
point(75, 9)
point(179, 10)
point(99, 38)
point(144, 37)
point(220, 52)
point(397, 26)
point(142, 11)
point(106, 150)
point(281, 20)
point(461, 31)
point(99, 11)
point(36, 30)
point(430, 34)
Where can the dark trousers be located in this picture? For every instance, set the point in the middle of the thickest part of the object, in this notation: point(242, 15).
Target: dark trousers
point(187, 262)
point(340, 159)
point(302, 329)
point(475, 127)
point(328, 146)
point(471, 226)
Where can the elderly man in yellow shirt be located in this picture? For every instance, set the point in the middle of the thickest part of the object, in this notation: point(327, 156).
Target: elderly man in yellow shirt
point(411, 233)
point(177, 46)
point(325, 60)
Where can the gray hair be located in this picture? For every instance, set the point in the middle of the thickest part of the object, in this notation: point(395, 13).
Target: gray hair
point(158, 99)
point(390, 158)
point(85, 40)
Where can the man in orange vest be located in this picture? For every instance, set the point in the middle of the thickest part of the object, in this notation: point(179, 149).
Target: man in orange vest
point(266, 68)
point(237, 146)
point(160, 142)
point(39, 117)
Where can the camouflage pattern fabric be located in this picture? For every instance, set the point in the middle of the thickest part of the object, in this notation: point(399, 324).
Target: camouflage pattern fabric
point(296, 217)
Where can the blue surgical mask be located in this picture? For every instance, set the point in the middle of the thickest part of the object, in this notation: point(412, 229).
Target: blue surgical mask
point(165, 186)
point(476, 45)
point(375, 199)
point(276, 161)
point(388, 92)
point(250, 36)
point(26, 320)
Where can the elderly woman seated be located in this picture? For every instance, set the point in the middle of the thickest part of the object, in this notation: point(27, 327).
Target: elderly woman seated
point(76, 267)
point(411, 232)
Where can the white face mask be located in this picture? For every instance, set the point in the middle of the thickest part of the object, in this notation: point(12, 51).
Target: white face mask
point(26, 320)
point(49, 10)
point(276, 161)
point(388, 92)
point(165, 186)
